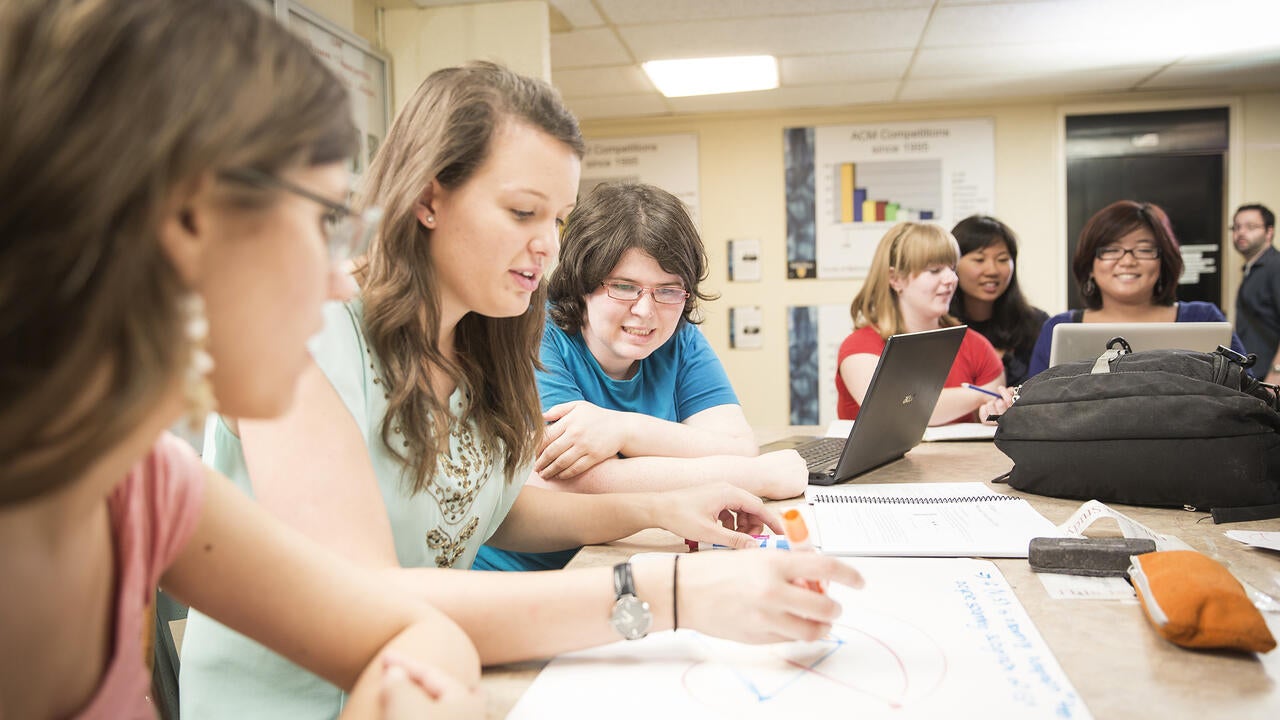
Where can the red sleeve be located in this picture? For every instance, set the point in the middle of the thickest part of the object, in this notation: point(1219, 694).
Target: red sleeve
point(863, 341)
point(977, 362)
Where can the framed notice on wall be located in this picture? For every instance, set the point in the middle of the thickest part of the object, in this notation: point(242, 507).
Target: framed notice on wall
point(667, 161)
point(848, 184)
point(365, 71)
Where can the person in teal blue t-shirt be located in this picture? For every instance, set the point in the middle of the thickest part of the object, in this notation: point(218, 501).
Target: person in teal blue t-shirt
point(635, 396)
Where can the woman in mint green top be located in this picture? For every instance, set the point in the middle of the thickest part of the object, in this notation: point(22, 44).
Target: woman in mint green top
point(414, 429)
point(444, 527)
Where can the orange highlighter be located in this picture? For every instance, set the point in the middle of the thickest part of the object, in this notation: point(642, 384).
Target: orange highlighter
point(798, 538)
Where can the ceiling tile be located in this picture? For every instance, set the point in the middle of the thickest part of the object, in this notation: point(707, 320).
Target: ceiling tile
point(792, 97)
point(586, 48)
point(1033, 85)
point(847, 67)
point(641, 12)
point(579, 13)
point(616, 80)
point(1023, 59)
point(1215, 76)
point(849, 32)
point(618, 106)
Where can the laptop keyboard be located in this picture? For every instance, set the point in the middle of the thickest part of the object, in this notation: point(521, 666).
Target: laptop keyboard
point(822, 454)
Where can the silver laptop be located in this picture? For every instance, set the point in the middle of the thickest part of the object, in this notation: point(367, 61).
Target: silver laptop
point(895, 412)
point(1086, 341)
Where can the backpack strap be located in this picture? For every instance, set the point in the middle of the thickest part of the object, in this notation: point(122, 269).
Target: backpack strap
point(1244, 514)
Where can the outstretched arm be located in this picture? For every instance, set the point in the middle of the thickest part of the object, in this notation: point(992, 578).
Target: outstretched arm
point(245, 569)
point(748, 595)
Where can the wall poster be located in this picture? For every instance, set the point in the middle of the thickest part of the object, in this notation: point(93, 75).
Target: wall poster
point(363, 70)
point(667, 161)
point(847, 184)
point(814, 334)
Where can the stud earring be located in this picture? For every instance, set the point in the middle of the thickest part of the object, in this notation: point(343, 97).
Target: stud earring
point(196, 386)
point(431, 219)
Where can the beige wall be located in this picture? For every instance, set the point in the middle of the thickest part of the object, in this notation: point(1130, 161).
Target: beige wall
point(516, 34)
point(741, 175)
point(741, 196)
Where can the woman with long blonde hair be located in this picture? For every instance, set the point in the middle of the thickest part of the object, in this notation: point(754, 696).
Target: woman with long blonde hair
point(908, 289)
point(418, 423)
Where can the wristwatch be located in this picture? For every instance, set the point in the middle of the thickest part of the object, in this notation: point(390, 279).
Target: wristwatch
point(630, 616)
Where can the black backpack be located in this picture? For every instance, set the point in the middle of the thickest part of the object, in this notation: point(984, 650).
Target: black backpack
point(1168, 428)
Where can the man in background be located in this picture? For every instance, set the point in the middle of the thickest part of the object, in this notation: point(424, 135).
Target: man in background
point(1258, 302)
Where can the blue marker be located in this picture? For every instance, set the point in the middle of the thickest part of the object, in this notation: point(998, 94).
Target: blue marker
point(982, 390)
point(765, 541)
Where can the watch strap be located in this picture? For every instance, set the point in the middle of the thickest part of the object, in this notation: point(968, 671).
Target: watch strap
point(623, 581)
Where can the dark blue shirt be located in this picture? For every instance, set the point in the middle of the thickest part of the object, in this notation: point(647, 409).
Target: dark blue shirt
point(1258, 310)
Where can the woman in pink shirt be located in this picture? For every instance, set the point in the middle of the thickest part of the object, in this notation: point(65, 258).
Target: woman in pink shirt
point(171, 172)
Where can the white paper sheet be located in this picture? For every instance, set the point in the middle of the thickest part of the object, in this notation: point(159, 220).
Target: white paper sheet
point(963, 519)
point(926, 638)
point(1256, 538)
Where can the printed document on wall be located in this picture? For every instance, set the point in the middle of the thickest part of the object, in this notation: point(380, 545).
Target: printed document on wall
point(868, 177)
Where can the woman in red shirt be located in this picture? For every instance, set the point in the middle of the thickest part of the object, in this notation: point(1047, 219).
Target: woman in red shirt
point(908, 289)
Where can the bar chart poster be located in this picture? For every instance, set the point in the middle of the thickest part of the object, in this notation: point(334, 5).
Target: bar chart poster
point(866, 178)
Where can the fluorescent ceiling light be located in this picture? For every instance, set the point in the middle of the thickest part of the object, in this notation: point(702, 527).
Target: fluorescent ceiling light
point(713, 76)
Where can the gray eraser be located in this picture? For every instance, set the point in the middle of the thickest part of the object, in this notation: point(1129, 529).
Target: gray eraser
point(1096, 557)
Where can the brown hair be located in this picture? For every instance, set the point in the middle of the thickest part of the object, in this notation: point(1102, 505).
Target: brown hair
point(444, 132)
point(1110, 224)
point(613, 219)
point(907, 249)
point(115, 106)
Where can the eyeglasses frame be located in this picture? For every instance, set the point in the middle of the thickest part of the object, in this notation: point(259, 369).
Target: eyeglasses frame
point(1097, 253)
point(609, 285)
point(368, 218)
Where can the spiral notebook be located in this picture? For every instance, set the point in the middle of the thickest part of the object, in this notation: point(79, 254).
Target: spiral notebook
point(964, 519)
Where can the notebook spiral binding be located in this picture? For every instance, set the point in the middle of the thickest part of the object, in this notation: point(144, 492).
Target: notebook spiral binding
point(874, 500)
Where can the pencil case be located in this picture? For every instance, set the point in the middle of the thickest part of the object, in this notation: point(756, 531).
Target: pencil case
point(1194, 602)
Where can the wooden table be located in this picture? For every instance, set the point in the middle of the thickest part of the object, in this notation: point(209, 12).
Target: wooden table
point(1113, 657)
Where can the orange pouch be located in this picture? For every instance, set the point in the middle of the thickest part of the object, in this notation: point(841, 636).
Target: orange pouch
point(1194, 602)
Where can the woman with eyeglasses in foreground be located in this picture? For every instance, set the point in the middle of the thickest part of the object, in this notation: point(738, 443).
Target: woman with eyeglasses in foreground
point(1127, 265)
point(153, 262)
point(634, 395)
point(417, 424)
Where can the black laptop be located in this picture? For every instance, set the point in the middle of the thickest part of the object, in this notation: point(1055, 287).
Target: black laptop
point(895, 412)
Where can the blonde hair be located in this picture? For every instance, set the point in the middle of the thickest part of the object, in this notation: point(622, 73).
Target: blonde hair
point(115, 106)
point(907, 249)
point(444, 133)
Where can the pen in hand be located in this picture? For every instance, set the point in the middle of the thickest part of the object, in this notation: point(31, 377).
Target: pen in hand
point(798, 538)
point(982, 390)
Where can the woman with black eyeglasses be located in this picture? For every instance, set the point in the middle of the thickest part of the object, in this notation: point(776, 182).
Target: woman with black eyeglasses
point(1127, 265)
point(634, 395)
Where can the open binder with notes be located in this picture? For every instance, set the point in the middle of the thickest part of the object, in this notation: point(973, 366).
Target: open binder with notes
point(964, 519)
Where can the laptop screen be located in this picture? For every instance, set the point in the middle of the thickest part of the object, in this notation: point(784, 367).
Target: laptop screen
point(1086, 341)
